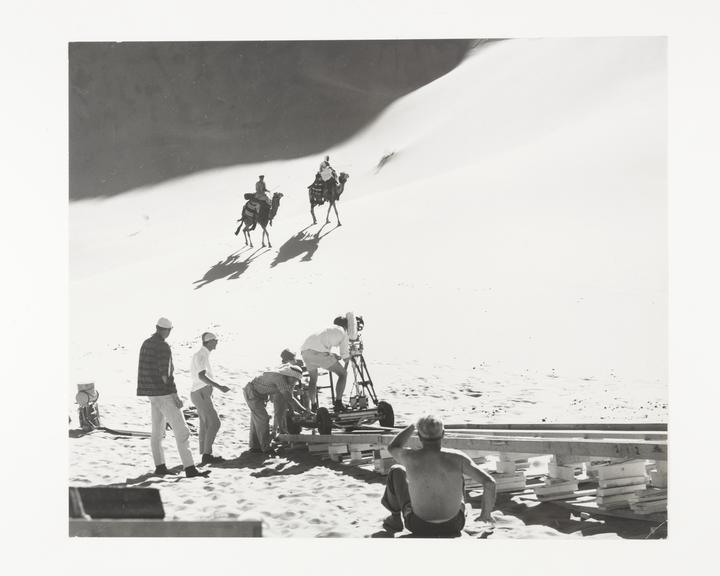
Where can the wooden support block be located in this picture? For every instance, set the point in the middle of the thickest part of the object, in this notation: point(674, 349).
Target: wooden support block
point(363, 447)
point(622, 470)
point(661, 466)
point(562, 487)
point(381, 453)
point(173, 528)
point(658, 479)
point(561, 472)
point(505, 467)
point(318, 448)
point(616, 482)
point(621, 490)
point(568, 460)
point(360, 455)
point(337, 449)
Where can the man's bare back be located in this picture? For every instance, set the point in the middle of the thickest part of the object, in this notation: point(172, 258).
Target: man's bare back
point(435, 480)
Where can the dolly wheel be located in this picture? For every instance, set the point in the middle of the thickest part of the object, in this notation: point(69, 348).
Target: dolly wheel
point(386, 416)
point(324, 421)
point(292, 426)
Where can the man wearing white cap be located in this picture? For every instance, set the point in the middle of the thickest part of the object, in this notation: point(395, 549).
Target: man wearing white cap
point(426, 489)
point(257, 393)
point(201, 396)
point(156, 380)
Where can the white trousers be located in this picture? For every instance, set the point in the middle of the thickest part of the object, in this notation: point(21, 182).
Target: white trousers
point(163, 409)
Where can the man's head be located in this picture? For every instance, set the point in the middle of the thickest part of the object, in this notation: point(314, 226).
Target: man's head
point(163, 327)
point(209, 340)
point(327, 158)
point(287, 356)
point(341, 321)
point(430, 429)
point(261, 176)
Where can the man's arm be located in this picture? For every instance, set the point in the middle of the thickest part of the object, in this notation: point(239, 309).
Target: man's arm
point(293, 403)
point(396, 446)
point(488, 483)
point(203, 377)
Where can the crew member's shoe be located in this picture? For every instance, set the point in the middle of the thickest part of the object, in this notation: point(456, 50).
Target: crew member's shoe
point(192, 472)
point(340, 407)
point(162, 470)
point(393, 523)
point(210, 459)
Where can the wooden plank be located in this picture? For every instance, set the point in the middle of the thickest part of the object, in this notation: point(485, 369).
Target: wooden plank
point(644, 426)
point(156, 528)
point(640, 435)
point(122, 502)
point(590, 507)
point(618, 448)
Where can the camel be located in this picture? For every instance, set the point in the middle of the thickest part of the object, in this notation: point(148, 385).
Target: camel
point(256, 212)
point(320, 192)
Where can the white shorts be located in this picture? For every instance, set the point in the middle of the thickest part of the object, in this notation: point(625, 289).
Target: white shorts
point(315, 359)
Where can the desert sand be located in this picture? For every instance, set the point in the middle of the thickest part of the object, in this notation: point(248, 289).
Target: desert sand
point(508, 257)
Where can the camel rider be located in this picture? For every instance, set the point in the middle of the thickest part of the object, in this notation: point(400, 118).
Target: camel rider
point(261, 191)
point(326, 171)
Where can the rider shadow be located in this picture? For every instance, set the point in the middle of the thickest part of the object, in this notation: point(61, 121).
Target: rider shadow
point(231, 268)
point(301, 243)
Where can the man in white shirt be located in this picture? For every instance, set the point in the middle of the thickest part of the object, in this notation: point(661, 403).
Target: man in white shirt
point(317, 353)
point(201, 395)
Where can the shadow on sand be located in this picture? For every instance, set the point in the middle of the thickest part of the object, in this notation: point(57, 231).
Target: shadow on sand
point(231, 268)
point(301, 243)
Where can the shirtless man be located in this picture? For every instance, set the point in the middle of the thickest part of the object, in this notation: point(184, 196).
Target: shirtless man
point(426, 488)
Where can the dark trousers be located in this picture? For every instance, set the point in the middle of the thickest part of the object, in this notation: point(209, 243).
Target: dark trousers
point(397, 499)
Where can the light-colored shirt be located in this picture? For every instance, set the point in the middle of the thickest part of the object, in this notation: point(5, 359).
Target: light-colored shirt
point(200, 361)
point(325, 340)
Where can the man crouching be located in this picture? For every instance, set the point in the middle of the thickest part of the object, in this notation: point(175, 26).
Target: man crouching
point(426, 489)
point(258, 391)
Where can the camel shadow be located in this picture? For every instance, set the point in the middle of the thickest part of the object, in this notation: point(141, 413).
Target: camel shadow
point(301, 243)
point(231, 268)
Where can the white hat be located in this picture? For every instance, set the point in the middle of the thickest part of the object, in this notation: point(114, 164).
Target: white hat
point(290, 371)
point(207, 336)
point(164, 323)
